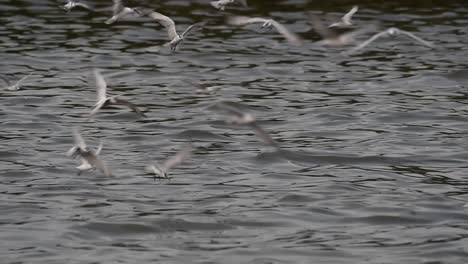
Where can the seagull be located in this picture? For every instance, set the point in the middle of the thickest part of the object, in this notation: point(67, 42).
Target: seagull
point(89, 159)
point(103, 100)
point(162, 171)
point(244, 20)
point(73, 3)
point(391, 32)
point(15, 86)
point(247, 119)
point(331, 38)
point(119, 11)
point(346, 19)
point(221, 4)
point(174, 38)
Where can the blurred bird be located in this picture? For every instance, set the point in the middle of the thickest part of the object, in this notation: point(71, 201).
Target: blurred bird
point(72, 4)
point(161, 171)
point(103, 100)
point(15, 86)
point(89, 159)
point(241, 118)
point(120, 11)
point(390, 32)
point(221, 4)
point(244, 20)
point(346, 19)
point(169, 25)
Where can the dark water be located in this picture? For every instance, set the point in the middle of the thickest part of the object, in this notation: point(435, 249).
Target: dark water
point(374, 161)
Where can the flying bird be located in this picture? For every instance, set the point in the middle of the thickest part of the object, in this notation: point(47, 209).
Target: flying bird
point(346, 19)
point(242, 118)
point(244, 20)
point(15, 86)
point(174, 38)
point(72, 4)
point(89, 158)
point(119, 11)
point(390, 32)
point(221, 4)
point(103, 100)
point(161, 171)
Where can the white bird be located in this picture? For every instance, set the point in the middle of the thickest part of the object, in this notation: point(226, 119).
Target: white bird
point(391, 32)
point(346, 19)
point(161, 171)
point(72, 4)
point(89, 159)
point(244, 20)
point(120, 11)
point(331, 38)
point(103, 100)
point(174, 38)
point(15, 86)
point(221, 4)
point(242, 118)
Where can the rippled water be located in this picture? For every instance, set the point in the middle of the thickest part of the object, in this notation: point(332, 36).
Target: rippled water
point(374, 146)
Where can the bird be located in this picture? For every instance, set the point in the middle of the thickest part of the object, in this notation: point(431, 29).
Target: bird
point(346, 19)
point(72, 4)
point(89, 158)
point(242, 118)
point(244, 20)
point(120, 11)
point(174, 38)
point(221, 4)
point(162, 171)
point(15, 86)
point(331, 38)
point(393, 31)
point(103, 100)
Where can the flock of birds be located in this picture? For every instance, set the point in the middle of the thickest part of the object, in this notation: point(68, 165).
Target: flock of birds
point(90, 159)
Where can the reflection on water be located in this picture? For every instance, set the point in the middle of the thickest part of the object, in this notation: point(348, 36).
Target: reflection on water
point(372, 160)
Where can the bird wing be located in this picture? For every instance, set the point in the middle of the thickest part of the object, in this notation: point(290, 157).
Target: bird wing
point(101, 86)
point(5, 79)
point(119, 100)
point(290, 36)
point(244, 20)
point(367, 42)
point(264, 135)
point(420, 40)
point(96, 108)
point(177, 158)
point(98, 151)
point(347, 18)
point(22, 79)
point(79, 141)
point(96, 162)
point(83, 5)
point(166, 22)
point(117, 7)
point(192, 27)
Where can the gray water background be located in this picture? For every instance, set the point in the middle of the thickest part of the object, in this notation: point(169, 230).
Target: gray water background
point(373, 167)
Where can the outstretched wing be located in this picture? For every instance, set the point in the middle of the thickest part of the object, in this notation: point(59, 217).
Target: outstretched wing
point(177, 158)
point(133, 107)
point(418, 39)
point(367, 42)
point(166, 22)
point(244, 20)
point(192, 27)
point(290, 36)
point(101, 86)
point(347, 18)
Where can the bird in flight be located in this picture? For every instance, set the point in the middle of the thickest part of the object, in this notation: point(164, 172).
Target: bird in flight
point(89, 159)
point(103, 100)
point(221, 4)
point(72, 4)
point(346, 19)
point(174, 38)
point(162, 171)
point(244, 20)
point(15, 86)
point(119, 10)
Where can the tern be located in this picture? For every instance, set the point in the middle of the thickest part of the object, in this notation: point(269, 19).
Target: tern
point(89, 158)
point(346, 19)
point(120, 11)
point(103, 100)
point(244, 20)
point(331, 38)
point(15, 86)
point(247, 119)
point(72, 4)
point(221, 4)
point(161, 171)
point(174, 38)
point(390, 32)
